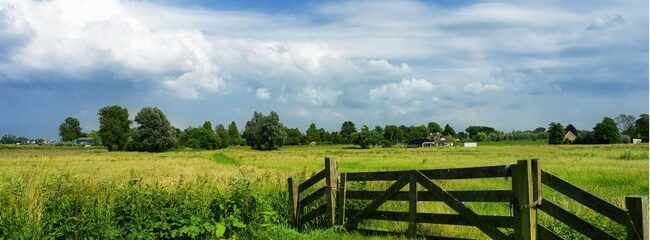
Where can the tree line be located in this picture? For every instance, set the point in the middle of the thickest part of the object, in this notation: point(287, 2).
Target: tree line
point(151, 131)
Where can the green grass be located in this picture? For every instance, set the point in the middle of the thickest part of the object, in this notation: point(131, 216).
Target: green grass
point(66, 192)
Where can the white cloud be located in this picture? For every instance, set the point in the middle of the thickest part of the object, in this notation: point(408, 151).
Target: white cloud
point(262, 94)
point(318, 96)
point(404, 90)
point(479, 87)
point(606, 22)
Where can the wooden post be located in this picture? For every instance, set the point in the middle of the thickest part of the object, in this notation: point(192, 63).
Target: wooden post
point(330, 195)
point(637, 208)
point(413, 205)
point(340, 206)
point(536, 170)
point(524, 212)
point(294, 206)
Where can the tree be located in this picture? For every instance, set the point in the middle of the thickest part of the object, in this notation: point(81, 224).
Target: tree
point(625, 123)
point(641, 127)
point(539, 130)
point(69, 130)
point(8, 139)
point(207, 125)
point(294, 136)
point(463, 136)
point(114, 127)
point(223, 135)
point(366, 138)
point(434, 127)
point(472, 131)
point(233, 134)
point(324, 135)
point(154, 133)
point(571, 128)
point(347, 129)
point(392, 134)
point(265, 132)
point(606, 131)
point(555, 133)
point(417, 132)
point(312, 133)
point(200, 138)
point(449, 131)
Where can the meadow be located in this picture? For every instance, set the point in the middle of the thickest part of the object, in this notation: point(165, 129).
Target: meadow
point(65, 192)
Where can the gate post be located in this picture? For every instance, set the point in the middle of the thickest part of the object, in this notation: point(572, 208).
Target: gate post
point(294, 207)
point(524, 189)
point(637, 209)
point(330, 194)
point(413, 204)
point(340, 219)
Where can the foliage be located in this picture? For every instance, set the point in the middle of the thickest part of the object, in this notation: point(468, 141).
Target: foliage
point(606, 132)
point(233, 134)
point(294, 136)
point(555, 133)
point(70, 129)
point(641, 127)
point(392, 135)
point(367, 138)
point(585, 137)
point(207, 125)
point(312, 134)
point(265, 132)
point(114, 127)
point(347, 129)
point(571, 128)
point(434, 127)
point(625, 123)
point(449, 131)
point(481, 137)
point(200, 138)
point(154, 133)
point(8, 139)
point(473, 131)
point(223, 135)
point(539, 130)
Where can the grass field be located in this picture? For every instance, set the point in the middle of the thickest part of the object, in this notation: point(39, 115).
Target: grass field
point(78, 192)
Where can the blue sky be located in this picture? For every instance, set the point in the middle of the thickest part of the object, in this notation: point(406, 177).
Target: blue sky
point(507, 64)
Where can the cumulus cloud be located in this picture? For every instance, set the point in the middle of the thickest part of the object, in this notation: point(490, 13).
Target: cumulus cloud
point(479, 87)
point(606, 22)
point(404, 90)
point(262, 94)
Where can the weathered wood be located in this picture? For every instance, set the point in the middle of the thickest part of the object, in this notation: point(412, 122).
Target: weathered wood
point(313, 197)
point(312, 180)
point(469, 215)
point(452, 173)
point(293, 202)
point(523, 210)
point(399, 184)
point(637, 208)
point(463, 196)
point(330, 193)
point(544, 233)
point(601, 206)
point(536, 171)
point(436, 218)
point(573, 221)
point(321, 210)
point(340, 218)
point(413, 205)
point(387, 233)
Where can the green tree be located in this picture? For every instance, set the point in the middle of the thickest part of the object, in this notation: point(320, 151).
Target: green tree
point(207, 125)
point(606, 131)
point(269, 133)
point(571, 128)
point(641, 127)
point(294, 136)
point(70, 129)
point(233, 134)
point(200, 138)
point(8, 139)
point(392, 135)
point(154, 133)
point(312, 133)
point(418, 132)
point(625, 123)
point(347, 129)
point(434, 127)
point(555, 133)
point(114, 127)
point(367, 139)
point(449, 131)
point(472, 131)
point(223, 135)
point(251, 125)
point(539, 130)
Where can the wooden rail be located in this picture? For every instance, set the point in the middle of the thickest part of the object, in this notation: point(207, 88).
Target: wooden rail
point(525, 198)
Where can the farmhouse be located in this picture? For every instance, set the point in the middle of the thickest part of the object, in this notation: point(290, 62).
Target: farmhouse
point(434, 140)
point(569, 137)
point(84, 141)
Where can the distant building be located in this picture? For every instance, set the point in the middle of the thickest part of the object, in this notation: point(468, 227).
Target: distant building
point(84, 141)
point(434, 140)
point(470, 144)
point(569, 137)
point(636, 141)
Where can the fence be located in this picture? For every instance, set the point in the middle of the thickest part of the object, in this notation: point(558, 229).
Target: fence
point(524, 196)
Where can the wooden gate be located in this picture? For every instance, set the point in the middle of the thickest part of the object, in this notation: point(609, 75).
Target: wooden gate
point(326, 192)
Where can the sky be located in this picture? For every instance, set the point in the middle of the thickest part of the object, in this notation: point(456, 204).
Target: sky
point(512, 65)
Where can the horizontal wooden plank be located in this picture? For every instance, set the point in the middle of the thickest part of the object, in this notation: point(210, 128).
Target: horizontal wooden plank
point(320, 211)
point(591, 201)
point(452, 173)
point(312, 180)
point(544, 233)
point(436, 218)
point(313, 197)
point(464, 196)
point(573, 221)
point(388, 233)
